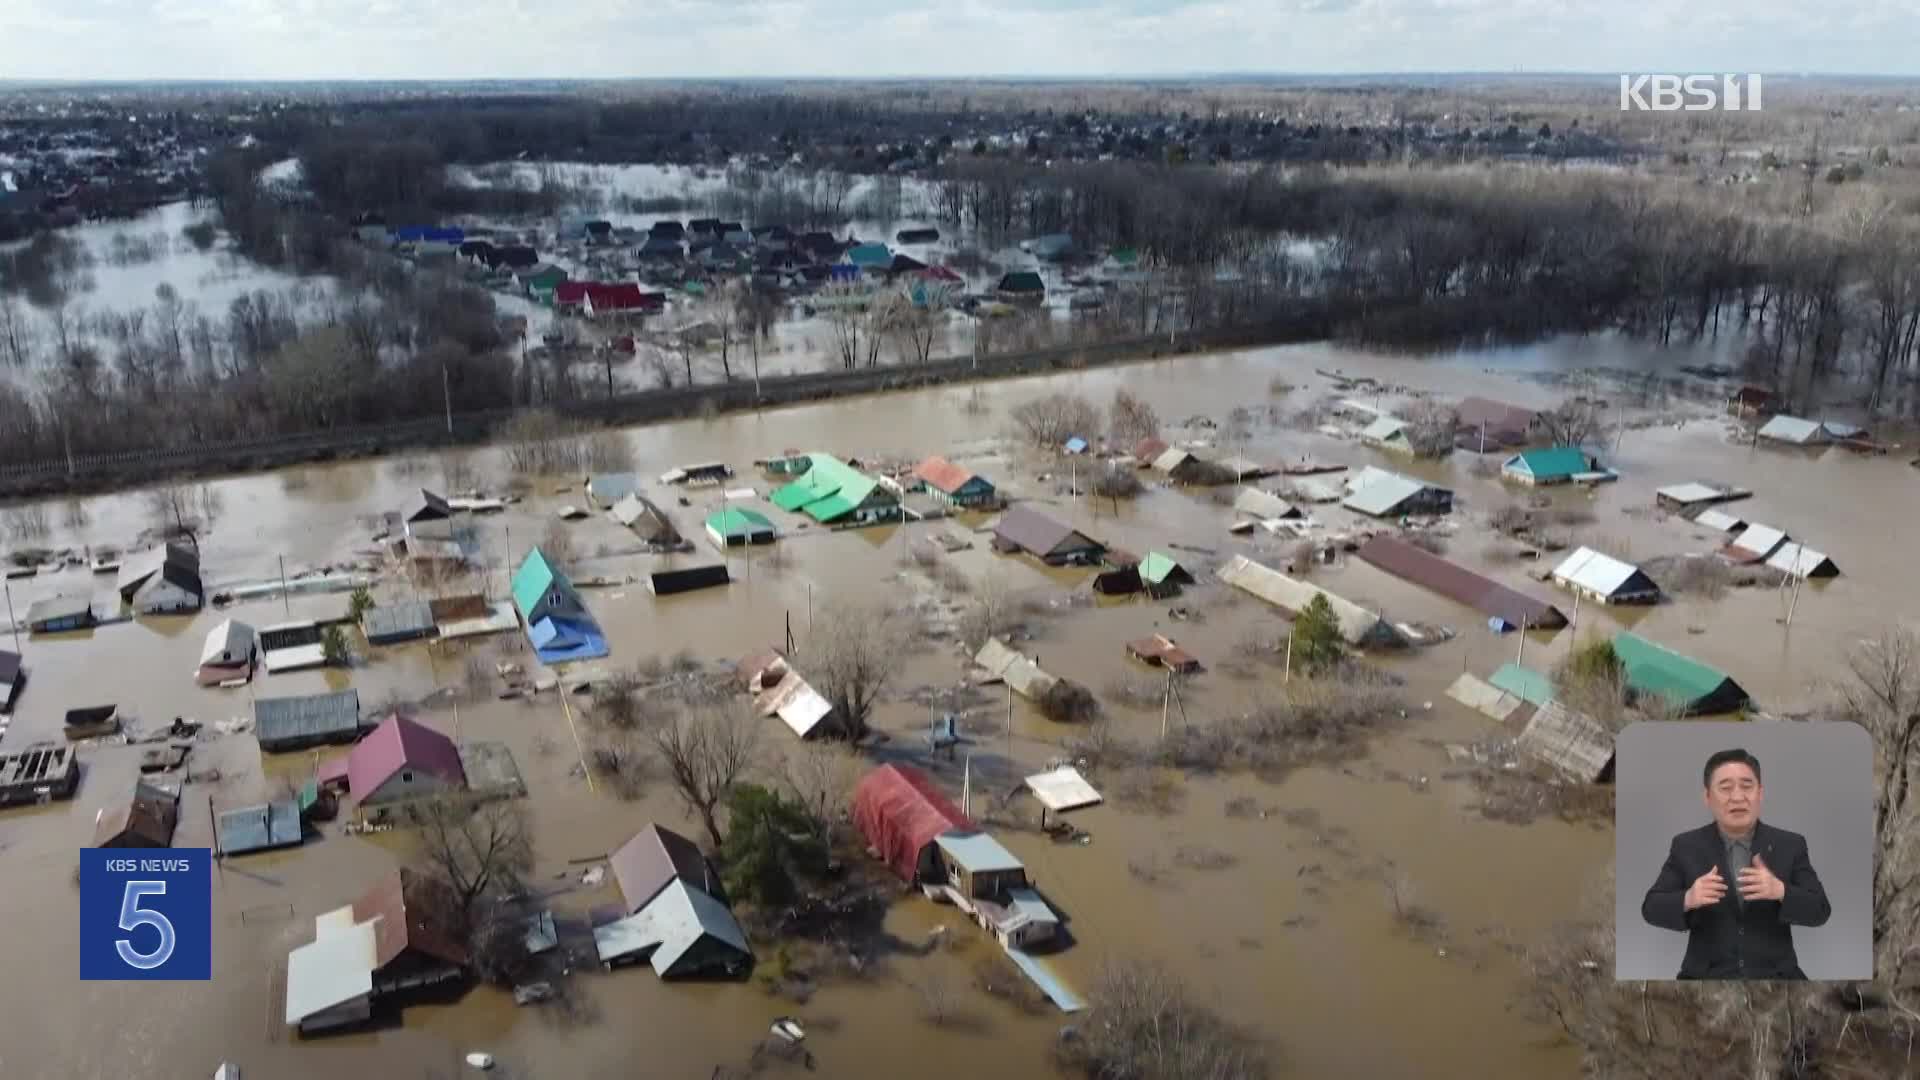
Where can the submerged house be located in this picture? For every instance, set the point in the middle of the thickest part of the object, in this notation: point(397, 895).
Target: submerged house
point(147, 820)
point(428, 518)
point(1379, 493)
point(228, 653)
point(1753, 544)
point(1388, 433)
point(162, 580)
point(402, 621)
point(655, 858)
point(901, 812)
point(1484, 425)
point(558, 624)
point(1802, 562)
point(1604, 578)
point(1159, 575)
point(1025, 529)
point(673, 910)
point(832, 492)
point(1691, 686)
point(1570, 742)
point(1358, 626)
point(1505, 608)
point(988, 882)
point(1794, 431)
point(1556, 465)
point(1021, 287)
point(403, 759)
point(399, 936)
point(296, 723)
point(953, 485)
point(738, 527)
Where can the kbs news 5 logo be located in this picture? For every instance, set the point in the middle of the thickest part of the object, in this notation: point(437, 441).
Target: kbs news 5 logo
point(146, 915)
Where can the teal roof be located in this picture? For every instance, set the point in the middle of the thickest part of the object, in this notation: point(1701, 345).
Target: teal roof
point(870, 255)
point(535, 576)
point(1656, 669)
point(830, 508)
point(1156, 566)
point(826, 478)
point(734, 521)
point(1524, 683)
point(1558, 461)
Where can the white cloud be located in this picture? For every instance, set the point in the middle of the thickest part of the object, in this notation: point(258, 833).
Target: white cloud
point(388, 39)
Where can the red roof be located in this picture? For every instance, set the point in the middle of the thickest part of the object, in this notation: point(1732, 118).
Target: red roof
point(399, 743)
point(415, 912)
point(941, 275)
point(605, 297)
point(942, 475)
point(900, 811)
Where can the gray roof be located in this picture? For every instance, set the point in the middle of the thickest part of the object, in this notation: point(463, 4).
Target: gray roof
point(1793, 429)
point(398, 622)
point(310, 716)
point(1263, 504)
point(1378, 492)
point(258, 828)
point(1571, 742)
point(1358, 626)
point(612, 487)
point(64, 606)
point(135, 569)
point(671, 924)
point(978, 852)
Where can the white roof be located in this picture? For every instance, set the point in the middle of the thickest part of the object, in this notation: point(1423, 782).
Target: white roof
point(978, 852)
point(1690, 493)
point(228, 639)
point(675, 920)
point(1796, 559)
point(1595, 572)
point(1792, 429)
point(1384, 428)
point(335, 969)
point(1318, 489)
point(1377, 491)
point(294, 659)
point(1171, 458)
point(1356, 405)
point(1003, 664)
point(1718, 520)
point(1262, 504)
point(796, 703)
point(1759, 540)
point(1063, 789)
point(1358, 626)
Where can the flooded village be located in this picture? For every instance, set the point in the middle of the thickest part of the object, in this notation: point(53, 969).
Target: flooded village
point(1078, 593)
point(1301, 870)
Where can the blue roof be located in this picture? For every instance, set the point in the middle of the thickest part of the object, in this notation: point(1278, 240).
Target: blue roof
point(559, 641)
point(259, 828)
point(978, 852)
point(1076, 445)
point(445, 234)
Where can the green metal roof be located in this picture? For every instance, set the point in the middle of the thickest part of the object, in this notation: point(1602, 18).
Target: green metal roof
point(1557, 461)
point(1156, 566)
point(829, 508)
point(1656, 669)
point(827, 478)
point(734, 521)
point(309, 795)
point(794, 495)
point(532, 581)
point(1528, 685)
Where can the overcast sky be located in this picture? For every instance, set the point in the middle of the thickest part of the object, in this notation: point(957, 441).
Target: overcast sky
point(400, 39)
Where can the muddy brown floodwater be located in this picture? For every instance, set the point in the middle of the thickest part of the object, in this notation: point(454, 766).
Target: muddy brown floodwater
point(1293, 938)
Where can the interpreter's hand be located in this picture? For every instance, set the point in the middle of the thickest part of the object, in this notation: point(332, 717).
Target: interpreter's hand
point(1759, 883)
point(1706, 890)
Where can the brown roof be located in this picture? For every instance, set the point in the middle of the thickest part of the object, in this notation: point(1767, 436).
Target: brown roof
point(652, 860)
point(1036, 533)
point(1148, 448)
point(1498, 416)
point(943, 475)
point(415, 912)
point(751, 667)
point(1457, 583)
point(1160, 649)
point(146, 820)
point(453, 608)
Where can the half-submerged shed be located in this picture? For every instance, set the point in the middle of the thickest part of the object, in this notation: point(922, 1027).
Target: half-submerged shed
point(298, 722)
point(1025, 529)
point(1379, 493)
point(1690, 685)
point(1572, 743)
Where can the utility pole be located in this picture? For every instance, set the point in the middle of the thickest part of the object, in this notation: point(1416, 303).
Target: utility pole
point(12, 622)
point(1520, 656)
point(286, 598)
point(1166, 703)
point(446, 395)
point(1288, 677)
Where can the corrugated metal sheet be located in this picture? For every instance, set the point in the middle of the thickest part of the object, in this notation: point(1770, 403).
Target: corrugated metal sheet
point(1802, 562)
point(900, 810)
point(1524, 683)
point(1652, 668)
point(1062, 789)
point(796, 703)
point(403, 621)
point(1263, 504)
point(1017, 671)
point(1755, 543)
point(1483, 698)
point(1718, 521)
point(671, 925)
point(1571, 742)
point(336, 968)
point(1459, 584)
point(1793, 429)
point(228, 644)
point(307, 718)
point(1038, 535)
point(410, 910)
point(1358, 626)
point(400, 743)
point(1690, 493)
point(258, 828)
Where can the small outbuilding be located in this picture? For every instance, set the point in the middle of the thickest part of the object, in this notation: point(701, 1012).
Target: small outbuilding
point(1378, 493)
point(146, 820)
point(1606, 579)
point(393, 624)
point(1690, 685)
point(1794, 431)
point(228, 653)
point(60, 614)
point(739, 527)
point(901, 812)
point(296, 723)
point(682, 931)
point(1570, 742)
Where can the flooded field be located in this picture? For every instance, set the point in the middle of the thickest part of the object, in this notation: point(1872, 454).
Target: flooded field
point(1275, 914)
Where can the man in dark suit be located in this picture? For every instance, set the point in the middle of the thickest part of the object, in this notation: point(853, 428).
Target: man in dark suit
point(1737, 887)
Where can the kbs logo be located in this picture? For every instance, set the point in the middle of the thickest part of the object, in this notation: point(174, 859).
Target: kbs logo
point(146, 914)
point(1689, 93)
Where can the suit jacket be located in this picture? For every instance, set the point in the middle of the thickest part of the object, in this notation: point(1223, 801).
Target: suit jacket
point(1728, 939)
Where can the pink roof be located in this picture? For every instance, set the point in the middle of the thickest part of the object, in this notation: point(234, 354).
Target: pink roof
point(606, 297)
point(396, 744)
point(333, 770)
point(943, 475)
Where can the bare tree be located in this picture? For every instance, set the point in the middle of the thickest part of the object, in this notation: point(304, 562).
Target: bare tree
point(854, 315)
point(820, 776)
point(19, 342)
point(184, 510)
point(915, 321)
point(706, 753)
point(1131, 419)
point(1053, 419)
point(852, 658)
point(1152, 1027)
point(480, 850)
point(1576, 422)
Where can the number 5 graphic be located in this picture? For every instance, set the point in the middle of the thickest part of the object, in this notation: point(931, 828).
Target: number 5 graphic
point(133, 916)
